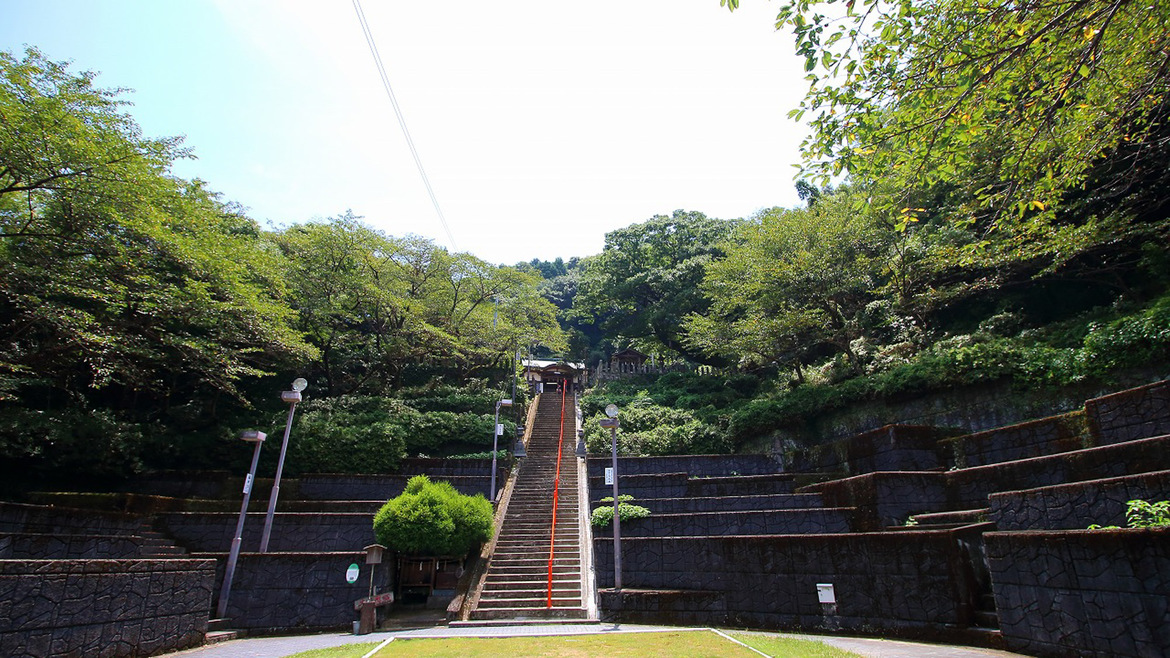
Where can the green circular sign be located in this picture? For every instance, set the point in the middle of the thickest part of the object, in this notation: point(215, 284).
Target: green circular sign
point(351, 574)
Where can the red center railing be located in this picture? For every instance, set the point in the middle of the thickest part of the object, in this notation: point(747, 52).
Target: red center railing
point(556, 498)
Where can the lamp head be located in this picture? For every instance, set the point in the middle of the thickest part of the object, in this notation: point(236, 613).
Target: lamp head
point(299, 384)
point(253, 436)
point(611, 410)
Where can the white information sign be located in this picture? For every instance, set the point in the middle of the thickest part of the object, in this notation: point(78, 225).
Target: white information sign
point(609, 475)
point(351, 574)
point(825, 593)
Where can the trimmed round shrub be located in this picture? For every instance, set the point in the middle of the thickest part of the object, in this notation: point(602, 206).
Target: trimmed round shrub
point(433, 519)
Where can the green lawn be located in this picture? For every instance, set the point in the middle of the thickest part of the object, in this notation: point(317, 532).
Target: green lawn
point(672, 644)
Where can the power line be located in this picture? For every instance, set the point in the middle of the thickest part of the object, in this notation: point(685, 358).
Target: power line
point(357, 5)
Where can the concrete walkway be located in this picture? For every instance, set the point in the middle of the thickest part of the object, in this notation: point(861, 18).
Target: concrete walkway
point(278, 647)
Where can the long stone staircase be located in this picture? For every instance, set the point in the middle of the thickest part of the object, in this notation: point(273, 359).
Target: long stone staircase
point(536, 572)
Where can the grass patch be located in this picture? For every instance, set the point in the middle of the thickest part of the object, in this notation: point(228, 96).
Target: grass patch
point(675, 644)
point(344, 651)
point(776, 645)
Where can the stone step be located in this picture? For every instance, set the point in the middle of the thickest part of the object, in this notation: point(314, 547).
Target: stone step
point(521, 571)
point(529, 591)
point(529, 602)
point(538, 544)
point(214, 637)
point(220, 624)
point(535, 557)
point(562, 614)
point(512, 581)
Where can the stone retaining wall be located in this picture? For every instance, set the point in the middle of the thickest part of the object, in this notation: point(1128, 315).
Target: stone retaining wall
point(1083, 592)
point(384, 487)
point(693, 465)
point(889, 448)
point(970, 488)
point(108, 608)
point(1076, 505)
point(295, 592)
point(1035, 438)
point(680, 485)
point(185, 484)
point(754, 522)
point(297, 532)
point(436, 468)
point(885, 499)
point(1133, 414)
point(22, 518)
point(23, 546)
point(908, 583)
point(642, 487)
point(733, 503)
point(971, 409)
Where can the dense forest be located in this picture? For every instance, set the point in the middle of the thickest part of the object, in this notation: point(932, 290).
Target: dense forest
point(984, 199)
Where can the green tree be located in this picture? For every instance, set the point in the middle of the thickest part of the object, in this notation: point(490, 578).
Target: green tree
point(432, 518)
point(377, 307)
point(1018, 103)
point(125, 293)
point(794, 281)
point(648, 276)
point(114, 275)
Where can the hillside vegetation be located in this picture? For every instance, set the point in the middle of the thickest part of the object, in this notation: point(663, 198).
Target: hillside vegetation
point(144, 321)
point(984, 199)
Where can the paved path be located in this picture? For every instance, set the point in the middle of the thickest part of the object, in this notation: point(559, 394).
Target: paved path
point(277, 647)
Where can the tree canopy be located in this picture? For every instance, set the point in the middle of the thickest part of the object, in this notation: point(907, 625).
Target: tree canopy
point(648, 276)
point(1017, 103)
point(150, 305)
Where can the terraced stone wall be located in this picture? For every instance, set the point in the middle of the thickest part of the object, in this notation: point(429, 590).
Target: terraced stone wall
point(291, 531)
point(24, 546)
point(911, 583)
point(1034, 438)
point(693, 465)
point(296, 592)
point(885, 499)
point(969, 488)
point(1076, 505)
point(1083, 592)
point(749, 522)
point(1133, 414)
point(114, 608)
point(385, 487)
point(22, 518)
point(888, 448)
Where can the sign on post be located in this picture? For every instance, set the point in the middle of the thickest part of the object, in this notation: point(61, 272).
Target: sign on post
point(608, 475)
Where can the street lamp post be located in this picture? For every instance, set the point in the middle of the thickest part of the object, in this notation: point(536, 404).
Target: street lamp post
point(292, 398)
point(613, 424)
point(229, 572)
point(496, 432)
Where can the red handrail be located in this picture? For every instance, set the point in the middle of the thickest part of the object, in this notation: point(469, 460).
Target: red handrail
point(556, 499)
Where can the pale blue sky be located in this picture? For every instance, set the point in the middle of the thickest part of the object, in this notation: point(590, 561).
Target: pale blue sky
point(542, 124)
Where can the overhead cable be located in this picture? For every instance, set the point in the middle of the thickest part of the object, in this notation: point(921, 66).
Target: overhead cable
point(357, 5)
